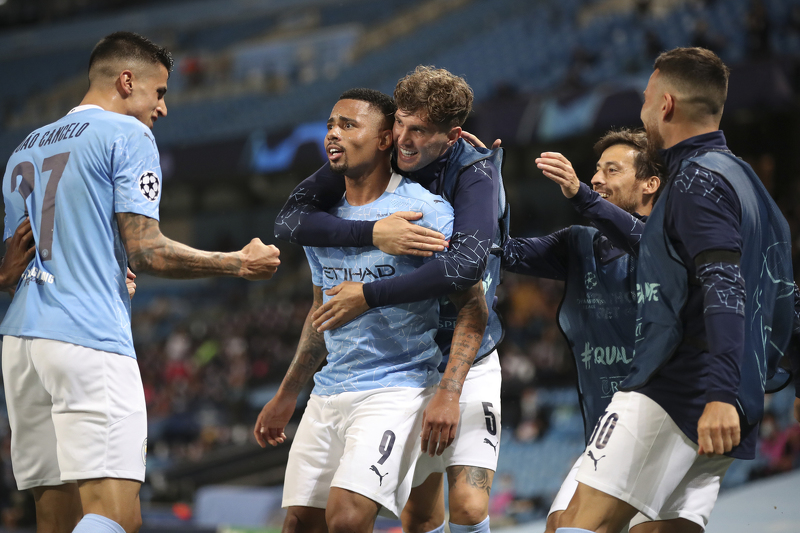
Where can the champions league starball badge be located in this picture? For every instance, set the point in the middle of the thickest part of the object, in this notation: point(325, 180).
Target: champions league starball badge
point(149, 185)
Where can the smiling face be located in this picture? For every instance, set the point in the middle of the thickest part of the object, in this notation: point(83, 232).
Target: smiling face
point(146, 100)
point(419, 142)
point(615, 179)
point(356, 132)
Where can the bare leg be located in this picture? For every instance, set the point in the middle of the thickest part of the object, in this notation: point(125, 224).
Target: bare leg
point(469, 494)
point(116, 499)
point(425, 508)
point(58, 508)
point(350, 512)
point(304, 520)
point(553, 521)
point(596, 511)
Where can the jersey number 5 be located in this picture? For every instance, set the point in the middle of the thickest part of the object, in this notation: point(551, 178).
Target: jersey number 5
point(25, 170)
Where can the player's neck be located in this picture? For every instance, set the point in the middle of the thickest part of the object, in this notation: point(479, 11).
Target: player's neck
point(687, 130)
point(368, 186)
point(109, 102)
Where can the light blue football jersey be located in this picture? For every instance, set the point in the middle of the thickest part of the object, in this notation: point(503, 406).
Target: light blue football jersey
point(71, 177)
point(390, 346)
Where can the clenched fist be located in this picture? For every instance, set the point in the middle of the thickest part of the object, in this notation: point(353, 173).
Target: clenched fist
point(259, 260)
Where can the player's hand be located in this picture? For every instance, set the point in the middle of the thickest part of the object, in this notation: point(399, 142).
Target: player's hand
point(259, 260)
point(440, 421)
point(718, 429)
point(396, 235)
point(347, 303)
point(477, 143)
point(19, 252)
point(273, 418)
point(558, 168)
point(130, 283)
point(797, 409)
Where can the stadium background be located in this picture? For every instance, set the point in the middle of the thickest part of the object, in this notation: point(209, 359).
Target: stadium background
point(253, 84)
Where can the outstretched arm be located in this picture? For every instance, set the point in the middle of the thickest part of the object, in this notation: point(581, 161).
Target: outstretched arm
point(622, 229)
point(543, 257)
point(20, 249)
point(305, 220)
point(150, 251)
point(309, 356)
point(440, 418)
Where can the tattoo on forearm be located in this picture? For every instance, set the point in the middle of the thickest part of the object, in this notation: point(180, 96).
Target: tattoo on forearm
point(467, 337)
point(310, 354)
point(150, 251)
point(473, 476)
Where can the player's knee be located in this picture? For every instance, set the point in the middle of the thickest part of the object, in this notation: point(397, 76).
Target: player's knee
point(419, 523)
point(553, 522)
point(132, 523)
point(347, 520)
point(470, 512)
point(57, 521)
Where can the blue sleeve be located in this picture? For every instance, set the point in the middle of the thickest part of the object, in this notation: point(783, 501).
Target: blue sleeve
point(315, 266)
point(543, 257)
point(305, 220)
point(136, 172)
point(706, 214)
point(622, 229)
point(462, 266)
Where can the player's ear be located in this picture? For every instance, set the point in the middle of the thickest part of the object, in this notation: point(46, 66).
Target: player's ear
point(667, 107)
point(652, 184)
point(385, 140)
point(125, 83)
point(453, 135)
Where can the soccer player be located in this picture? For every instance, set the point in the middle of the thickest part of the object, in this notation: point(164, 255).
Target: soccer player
point(90, 183)
point(432, 106)
point(356, 445)
point(598, 312)
point(715, 313)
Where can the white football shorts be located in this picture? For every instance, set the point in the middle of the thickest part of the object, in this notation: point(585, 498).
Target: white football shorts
point(638, 455)
point(477, 441)
point(75, 413)
point(365, 442)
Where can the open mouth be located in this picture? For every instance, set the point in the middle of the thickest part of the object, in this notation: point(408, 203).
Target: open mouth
point(334, 152)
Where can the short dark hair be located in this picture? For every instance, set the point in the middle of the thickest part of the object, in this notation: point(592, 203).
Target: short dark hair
point(643, 164)
point(380, 101)
point(125, 45)
point(698, 73)
point(444, 98)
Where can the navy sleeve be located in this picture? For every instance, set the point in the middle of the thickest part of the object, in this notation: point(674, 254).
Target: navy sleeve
point(462, 265)
point(305, 220)
point(622, 229)
point(794, 352)
point(706, 215)
point(543, 257)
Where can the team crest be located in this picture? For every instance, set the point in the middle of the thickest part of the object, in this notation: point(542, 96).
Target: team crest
point(149, 185)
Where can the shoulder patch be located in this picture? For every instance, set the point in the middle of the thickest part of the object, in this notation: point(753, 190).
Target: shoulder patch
point(149, 185)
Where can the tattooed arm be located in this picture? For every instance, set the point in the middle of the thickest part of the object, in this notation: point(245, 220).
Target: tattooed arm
point(150, 251)
point(309, 356)
point(20, 249)
point(440, 419)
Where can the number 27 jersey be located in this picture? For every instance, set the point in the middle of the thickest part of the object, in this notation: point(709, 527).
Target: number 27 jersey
point(71, 178)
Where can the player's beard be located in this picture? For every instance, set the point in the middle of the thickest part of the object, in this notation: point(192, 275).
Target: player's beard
point(340, 167)
point(655, 142)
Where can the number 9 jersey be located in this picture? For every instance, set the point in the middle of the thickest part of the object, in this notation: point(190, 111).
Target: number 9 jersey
point(71, 178)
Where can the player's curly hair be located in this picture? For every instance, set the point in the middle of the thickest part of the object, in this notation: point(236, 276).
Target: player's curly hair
point(126, 46)
point(443, 98)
